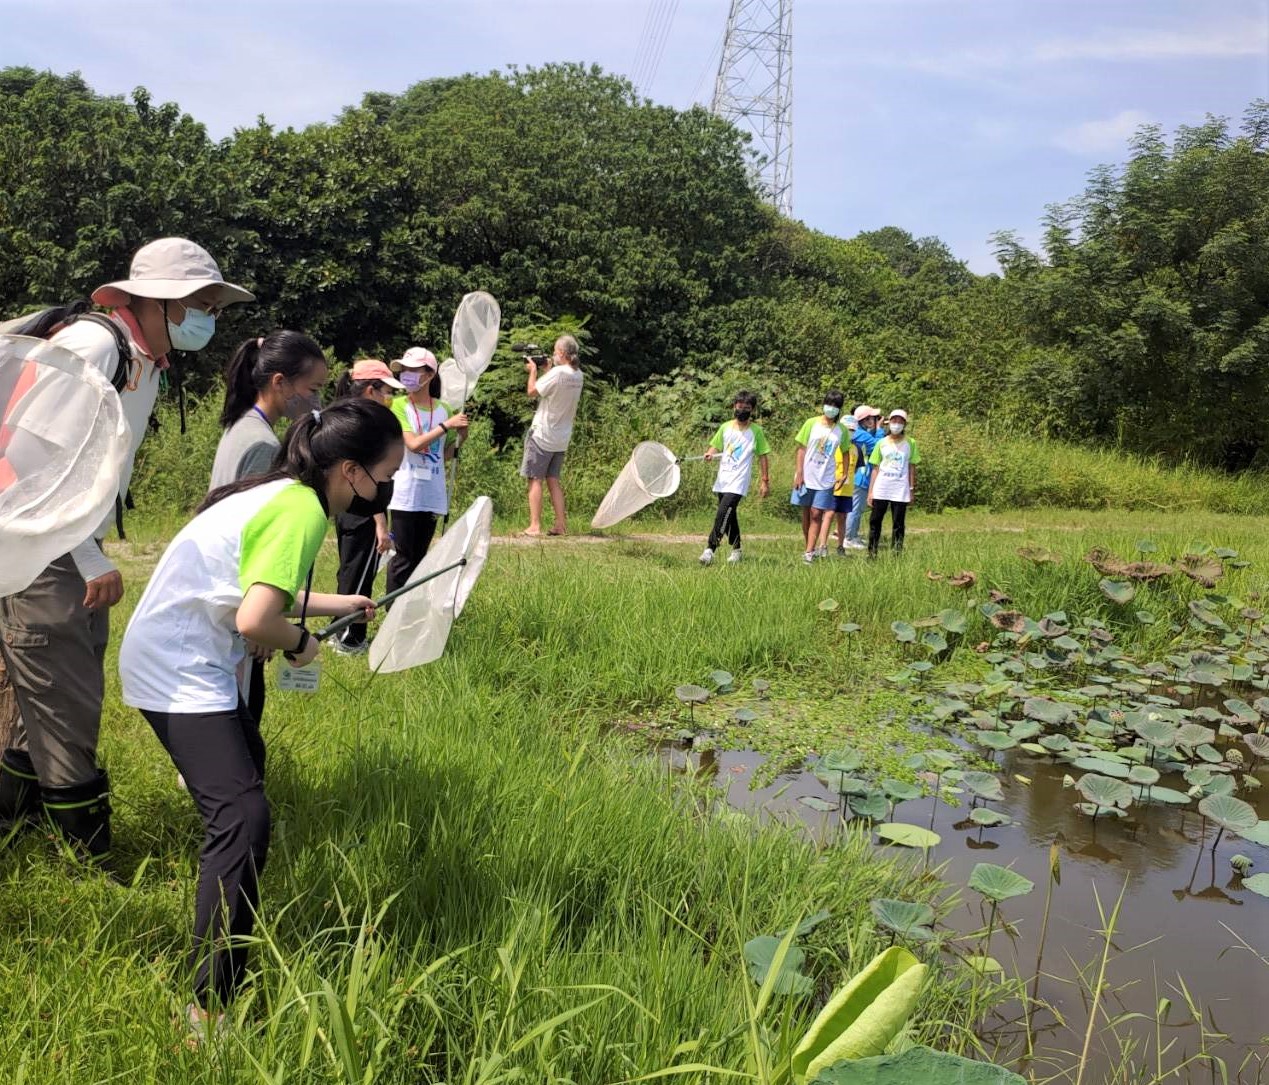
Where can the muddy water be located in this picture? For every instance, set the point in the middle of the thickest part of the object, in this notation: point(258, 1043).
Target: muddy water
point(1182, 915)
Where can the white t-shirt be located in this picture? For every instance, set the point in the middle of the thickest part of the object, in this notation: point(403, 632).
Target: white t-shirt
point(819, 465)
point(558, 393)
point(892, 458)
point(738, 445)
point(419, 484)
point(96, 346)
point(182, 649)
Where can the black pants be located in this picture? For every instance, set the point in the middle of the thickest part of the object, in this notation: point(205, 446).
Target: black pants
point(898, 517)
point(412, 534)
point(357, 565)
point(255, 690)
point(725, 521)
point(221, 756)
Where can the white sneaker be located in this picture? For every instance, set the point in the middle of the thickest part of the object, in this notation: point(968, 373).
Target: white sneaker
point(856, 544)
point(821, 551)
point(734, 557)
point(707, 556)
point(809, 557)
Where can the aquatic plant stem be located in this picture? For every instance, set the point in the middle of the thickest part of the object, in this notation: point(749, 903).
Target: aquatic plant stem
point(1107, 932)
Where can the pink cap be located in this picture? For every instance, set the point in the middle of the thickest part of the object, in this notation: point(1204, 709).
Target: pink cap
point(416, 358)
point(371, 369)
point(864, 411)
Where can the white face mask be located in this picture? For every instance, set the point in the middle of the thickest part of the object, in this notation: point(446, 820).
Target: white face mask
point(896, 428)
point(831, 412)
point(192, 333)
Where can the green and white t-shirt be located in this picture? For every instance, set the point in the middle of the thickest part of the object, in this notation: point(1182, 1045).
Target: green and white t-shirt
point(739, 445)
point(819, 465)
point(891, 458)
point(182, 649)
point(419, 484)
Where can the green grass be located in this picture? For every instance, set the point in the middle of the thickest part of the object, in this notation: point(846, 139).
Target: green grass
point(473, 877)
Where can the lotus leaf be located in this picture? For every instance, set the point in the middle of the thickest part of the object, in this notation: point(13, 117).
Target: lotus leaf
point(1147, 546)
point(930, 574)
point(850, 627)
point(872, 806)
point(963, 579)
point(1257, 883)
point(843, 760)
point(828, 605)
point(1193, 734)
point(1009, 620)
point(1039, 555)
point(1092, 810)
point(935, 642)
point(761, 686)
point(1066, 644)
point(816, 803)
point(939, 760)
point(722, 680)
point(1241, 711)
point(1143, 774)
point(744, 715)
point(1229, 813)
point(1025, 729)
point(1159, 733)
point(910, 836)
point(982, 815)
point(843, 784)
point(1167, 795)
point(760, 954)
point(1051, 627)
point(999, 597)
point(1104, 791)
point(953, 621)
point(691, 694)
point(1055, 743)
point(904, 632)
point(1201, 569)
point(984, 785)
point(1224, 552)
point(1102, 766)
point(1117, 591)
point(998, 883)
point(908, 918)
point(900, 790)
point(1258, 835)
point(863, 1017)
point(918, 1066)
point(1054, 713)
point(1202, 612)
point(995, 740)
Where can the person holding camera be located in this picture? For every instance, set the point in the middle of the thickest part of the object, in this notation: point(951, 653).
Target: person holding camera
point(557, 391)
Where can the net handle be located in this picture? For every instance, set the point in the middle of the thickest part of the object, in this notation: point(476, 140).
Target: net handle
point(359, 616)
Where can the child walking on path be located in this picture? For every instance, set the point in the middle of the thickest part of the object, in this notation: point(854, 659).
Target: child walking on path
point(893, 485)
point(235, 573)
point(816, 473)
point(736, 444)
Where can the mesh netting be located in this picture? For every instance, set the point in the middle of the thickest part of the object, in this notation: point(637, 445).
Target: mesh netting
point(651, 473)
point(417, 627)
point(63, 442)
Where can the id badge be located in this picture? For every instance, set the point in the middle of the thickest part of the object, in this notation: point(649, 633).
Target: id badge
point(294, 679)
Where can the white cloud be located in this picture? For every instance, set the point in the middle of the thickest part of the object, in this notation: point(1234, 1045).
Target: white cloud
point(1249, 38)
point(1099, 137)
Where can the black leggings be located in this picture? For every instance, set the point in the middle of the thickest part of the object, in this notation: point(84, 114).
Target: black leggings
point(357, 565)
point(725, 520)
point(221, 756)
point(412, 534)
point(898, 516)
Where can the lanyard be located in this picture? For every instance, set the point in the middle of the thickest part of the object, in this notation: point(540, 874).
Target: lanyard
point(308, 590)
point(256, 407)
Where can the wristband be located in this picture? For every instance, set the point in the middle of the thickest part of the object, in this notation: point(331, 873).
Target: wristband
point(444, 428)
point(299, 648)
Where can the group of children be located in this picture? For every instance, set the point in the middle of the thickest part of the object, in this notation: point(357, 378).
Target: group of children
point(840, 470)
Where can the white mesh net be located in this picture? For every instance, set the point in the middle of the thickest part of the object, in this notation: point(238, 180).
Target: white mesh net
point(417, 627)
point(474, 335)
point(63, 442)
point(651, 473)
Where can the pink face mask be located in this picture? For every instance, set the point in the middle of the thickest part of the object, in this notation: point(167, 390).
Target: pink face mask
point(412, 379)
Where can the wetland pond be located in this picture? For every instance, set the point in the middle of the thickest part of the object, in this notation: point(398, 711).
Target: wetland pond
point(1126, 751)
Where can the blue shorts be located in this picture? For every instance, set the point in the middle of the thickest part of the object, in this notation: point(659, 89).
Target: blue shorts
point(800, 497)
point(841, 503)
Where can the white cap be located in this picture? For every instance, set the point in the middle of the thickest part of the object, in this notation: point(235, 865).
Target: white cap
point(171, 268)
point(416, 358)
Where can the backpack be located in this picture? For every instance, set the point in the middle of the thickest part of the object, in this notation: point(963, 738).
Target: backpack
point(48, 322)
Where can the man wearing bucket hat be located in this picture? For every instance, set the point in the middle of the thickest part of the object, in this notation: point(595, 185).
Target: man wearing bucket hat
point(53, 633)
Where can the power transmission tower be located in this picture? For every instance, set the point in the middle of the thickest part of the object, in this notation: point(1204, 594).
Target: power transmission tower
point(754, 89)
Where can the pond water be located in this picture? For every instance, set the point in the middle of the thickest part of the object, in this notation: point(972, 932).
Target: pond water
point(1184, 913)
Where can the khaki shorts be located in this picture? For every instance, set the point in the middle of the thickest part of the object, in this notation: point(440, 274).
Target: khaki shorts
point(538, 462)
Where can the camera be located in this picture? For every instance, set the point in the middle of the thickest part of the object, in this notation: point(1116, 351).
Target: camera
point(532, 352)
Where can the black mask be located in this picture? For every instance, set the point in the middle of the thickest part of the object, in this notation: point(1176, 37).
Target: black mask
point(743, 414)
point(362, 506)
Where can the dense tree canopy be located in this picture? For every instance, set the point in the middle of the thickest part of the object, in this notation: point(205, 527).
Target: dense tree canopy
point(1143, 322)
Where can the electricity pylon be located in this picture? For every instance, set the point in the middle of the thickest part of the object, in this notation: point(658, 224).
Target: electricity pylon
point(754, 89)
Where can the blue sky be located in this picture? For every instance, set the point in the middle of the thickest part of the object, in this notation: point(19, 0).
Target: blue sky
point(946, 117)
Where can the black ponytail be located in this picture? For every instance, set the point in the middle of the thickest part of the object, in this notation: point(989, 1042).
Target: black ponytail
point(349, 429)
point(292, 354)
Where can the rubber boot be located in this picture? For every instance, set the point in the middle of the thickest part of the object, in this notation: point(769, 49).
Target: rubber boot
point(81, 813)
point(19, 789)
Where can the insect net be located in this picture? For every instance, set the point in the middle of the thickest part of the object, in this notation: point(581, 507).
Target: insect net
point(63, 443)
point(651, 473)
point(417, 627)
